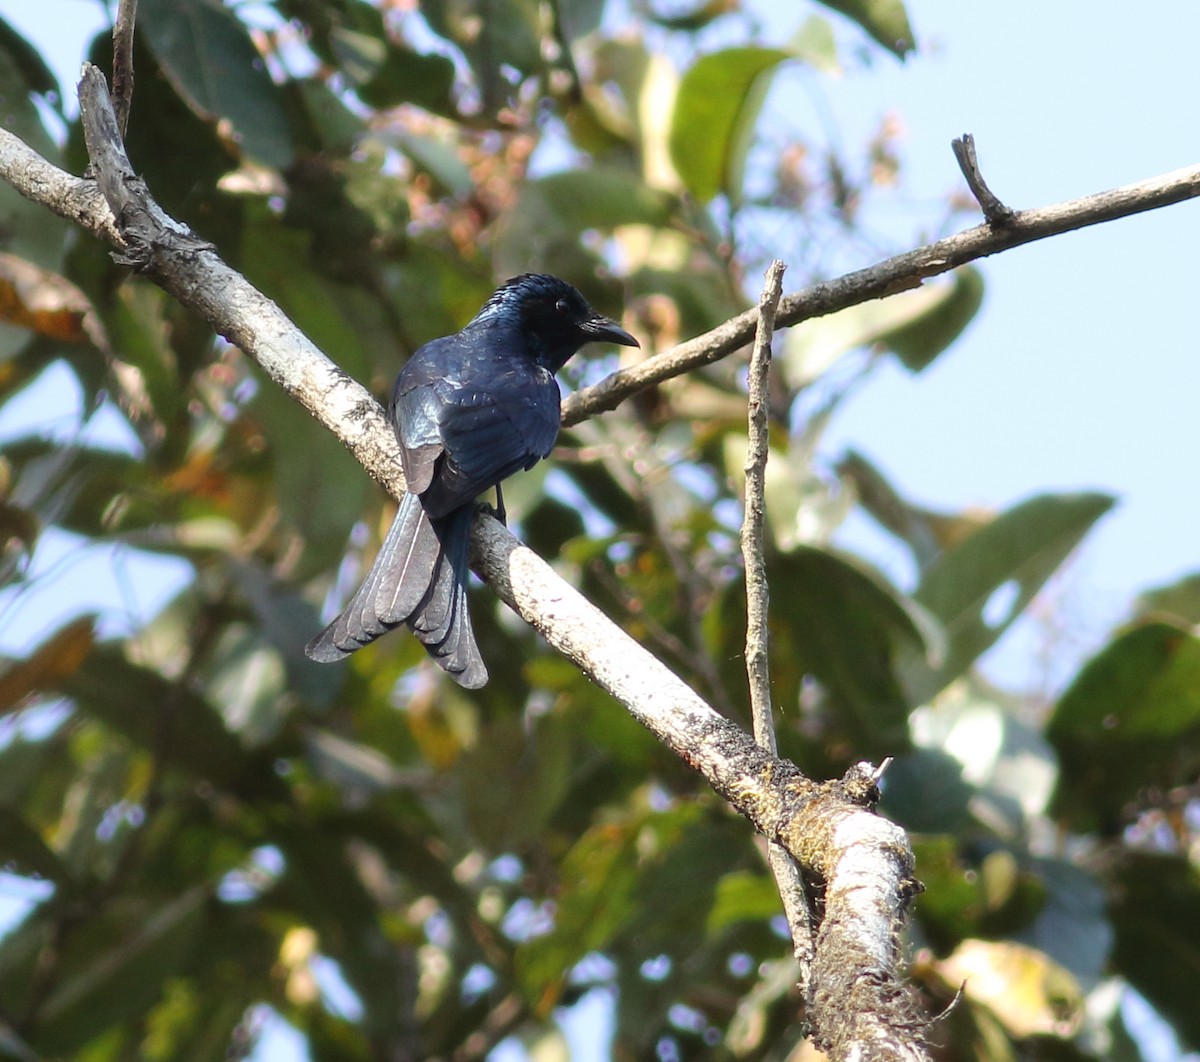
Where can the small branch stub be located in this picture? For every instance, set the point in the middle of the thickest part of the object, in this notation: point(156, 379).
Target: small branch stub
point(994, 211)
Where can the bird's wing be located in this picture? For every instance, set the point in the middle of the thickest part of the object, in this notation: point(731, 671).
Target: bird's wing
point(489, 433)
point(415, 411)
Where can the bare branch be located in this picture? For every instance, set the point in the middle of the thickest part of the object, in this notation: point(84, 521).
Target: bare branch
point(785, 870)
point(900, 273)
point(757, 450)
point(994, 211)
point(194, 273)
point(74, 198)
point(122, 87)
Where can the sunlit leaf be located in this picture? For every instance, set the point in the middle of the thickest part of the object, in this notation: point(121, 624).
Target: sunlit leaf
point(715, 111)
point(885, 21)
point(743, 896)
point(554, 212)
point(1021, 548)
point(46, 303)
point(815, 43)
point(917, 325)
point(1027, 992)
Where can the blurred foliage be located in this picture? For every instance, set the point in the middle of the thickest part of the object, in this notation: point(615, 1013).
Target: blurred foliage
point(217, 830)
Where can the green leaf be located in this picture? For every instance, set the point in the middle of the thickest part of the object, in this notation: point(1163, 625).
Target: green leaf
point(208, 56)
point(286, 621)
point(814, 42)
point(509, 36)
point(919, 341)
point(38, 76)
point(23, 851)
point(917, 325)
point(115, 967)
point(1177, 603)
point(842, 624)
point(155, 713)
point(924, 791)
point(438, 157)
point(513, 780)
point(554, 212)
point(1155, 912)
point(715, 110)
point(601, 894)
point(885, 21)
point(1130, 720)
point(408, 76)
point(335, 129)
point(743, 896)
point(30, 231)
point(696, 18)
point(1022, 547)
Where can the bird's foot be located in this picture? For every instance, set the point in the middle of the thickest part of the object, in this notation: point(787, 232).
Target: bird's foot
point(497, 510)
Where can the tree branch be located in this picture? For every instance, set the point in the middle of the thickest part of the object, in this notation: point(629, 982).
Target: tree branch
point(122, 87)
point(899, 273)
point(787, 874)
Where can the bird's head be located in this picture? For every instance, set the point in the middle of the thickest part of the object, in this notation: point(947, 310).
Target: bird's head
point(555, 319)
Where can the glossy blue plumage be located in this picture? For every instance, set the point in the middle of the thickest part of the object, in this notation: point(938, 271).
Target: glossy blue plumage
point(469, 410)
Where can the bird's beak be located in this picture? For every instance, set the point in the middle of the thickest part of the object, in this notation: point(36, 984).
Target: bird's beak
point(600, 328)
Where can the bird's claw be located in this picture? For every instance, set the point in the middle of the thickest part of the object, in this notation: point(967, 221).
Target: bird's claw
point(497, 510)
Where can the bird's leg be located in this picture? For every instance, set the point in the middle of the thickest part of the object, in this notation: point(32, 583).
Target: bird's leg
point(498, 511)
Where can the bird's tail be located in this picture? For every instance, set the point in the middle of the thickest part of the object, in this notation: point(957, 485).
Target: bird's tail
point(419, 579)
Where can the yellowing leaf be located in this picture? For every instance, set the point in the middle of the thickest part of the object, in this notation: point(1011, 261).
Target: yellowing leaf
point(55, 659)
point(1028, 992)
point(46, 303)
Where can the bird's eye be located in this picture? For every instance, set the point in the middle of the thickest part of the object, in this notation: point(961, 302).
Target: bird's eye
point(562, 306)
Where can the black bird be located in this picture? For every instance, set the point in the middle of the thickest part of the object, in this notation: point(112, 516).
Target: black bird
point(470, 410)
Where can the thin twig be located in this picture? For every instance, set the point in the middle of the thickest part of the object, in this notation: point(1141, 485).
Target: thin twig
point(994, 211)
point(900, 273)
point(758, 447)
point(122, 85)
point(787, 873)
